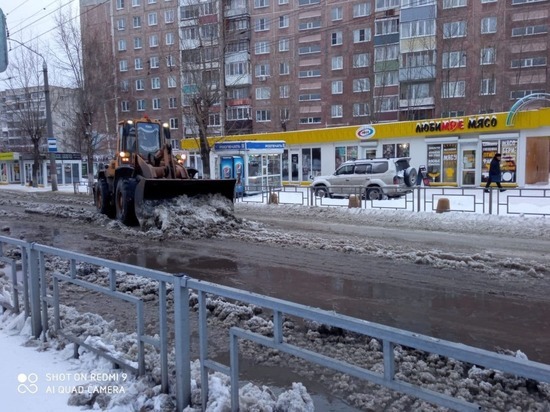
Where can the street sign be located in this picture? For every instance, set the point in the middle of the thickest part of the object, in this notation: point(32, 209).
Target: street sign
point(52, 144)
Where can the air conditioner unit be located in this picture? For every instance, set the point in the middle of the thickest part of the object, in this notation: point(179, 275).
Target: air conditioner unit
point(262, 78)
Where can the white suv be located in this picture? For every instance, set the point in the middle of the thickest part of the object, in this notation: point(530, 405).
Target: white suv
point(373, 179)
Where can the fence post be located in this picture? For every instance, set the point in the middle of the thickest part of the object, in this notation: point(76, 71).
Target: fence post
point(182, 343)
point(34, 289)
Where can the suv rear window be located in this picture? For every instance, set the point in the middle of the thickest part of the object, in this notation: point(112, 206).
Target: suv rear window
point(402, 164)
point(379, 167)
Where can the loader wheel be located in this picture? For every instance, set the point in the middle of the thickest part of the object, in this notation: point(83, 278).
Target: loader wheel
point(103, 199)
point(124, 196)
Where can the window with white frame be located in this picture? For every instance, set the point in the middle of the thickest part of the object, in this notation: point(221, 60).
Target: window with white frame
point(261, 47)
point(386, 26)
point(454, 59)
point(262, 24)
point(284, 21)
point(262, 70)
point(281, 2)
point(336, 38)
point(169, 38)
point(284, 45)
point(153, 40)
point(119, 4)
point(310, 120)
point(141, 106)
point(214, 120)
point(488, 1)
point(138, 43)
point(386, 4)
point(450, 4)
point(360, 109)
point(121, 24)
point(154, 62)
point(263, 93)
point(261, 3)
point(361, 85)
point(138, 63)
point(123, 65)
point(388, 78)
point(360, 60)
point(337, 87)
point(454, 29)
point(236, 69)
point(416, 3)
point(488, 86)
point(152, 19)
point(388, 52)
point(169, 16)
point(388, 103)
point(263, 115)
point(488, 55)
point(336, 13)
point(171, 81)
point(453, 89)
point(172, 102)
point(189, 33)
point(155, 83)
point(415, 91)
point(284, 68)
point(337, 62)
point(361, 35)
point(306, 97)
point(528, 62)
point(170, 61)
point(488, 25)
point(303, 74)
point(529, 30)
point(209, 31)
point(140, 84)
point(151, 1)
point(122, 45)
point(336, 111)
point(208, 8)
point(309, 49)
point(417, 28)
point(284, 91)
point(308, 2)
point(310, 25)
point(514, 2)
point(174, 123)
point(361, 9)
point(136, 22)
point(136, 3)
point(124, 85)
point(125, 106)
point(156, 103)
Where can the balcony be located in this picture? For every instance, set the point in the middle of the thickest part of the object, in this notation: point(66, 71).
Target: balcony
point(417, 102)
point(417, 73)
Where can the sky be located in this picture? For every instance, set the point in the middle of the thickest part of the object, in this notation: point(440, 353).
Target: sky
point(48, 369)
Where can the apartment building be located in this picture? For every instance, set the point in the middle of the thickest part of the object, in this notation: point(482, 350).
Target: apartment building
point(303, 64)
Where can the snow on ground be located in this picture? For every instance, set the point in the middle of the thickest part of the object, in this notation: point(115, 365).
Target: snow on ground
point(491, 389)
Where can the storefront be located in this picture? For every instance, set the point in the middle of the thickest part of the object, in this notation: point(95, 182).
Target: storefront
point(68, 166)
point(455, 151)
point(9, 168)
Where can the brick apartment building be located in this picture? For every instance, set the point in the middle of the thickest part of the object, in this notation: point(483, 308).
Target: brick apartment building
point(303, 64)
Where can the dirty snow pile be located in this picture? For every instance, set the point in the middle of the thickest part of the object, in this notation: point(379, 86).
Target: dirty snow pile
point(491, 389)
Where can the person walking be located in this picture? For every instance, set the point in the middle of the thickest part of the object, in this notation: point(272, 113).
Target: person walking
point(494, 173)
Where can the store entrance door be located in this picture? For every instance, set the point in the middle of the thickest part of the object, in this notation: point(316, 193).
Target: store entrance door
point(468, 165)
point(294, 166)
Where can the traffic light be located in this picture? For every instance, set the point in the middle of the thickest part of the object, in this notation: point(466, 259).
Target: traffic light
point(3, 43)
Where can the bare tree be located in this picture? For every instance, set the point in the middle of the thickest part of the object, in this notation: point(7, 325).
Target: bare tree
point(89, 67)
point(25, 102)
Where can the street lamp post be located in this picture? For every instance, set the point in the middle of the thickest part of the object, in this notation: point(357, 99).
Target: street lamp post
point(49, 123)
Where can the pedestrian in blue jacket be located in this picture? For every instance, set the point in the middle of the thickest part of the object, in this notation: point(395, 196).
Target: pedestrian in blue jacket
point(494, 173)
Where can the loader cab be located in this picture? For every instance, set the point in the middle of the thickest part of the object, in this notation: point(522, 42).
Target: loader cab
point(141, 137)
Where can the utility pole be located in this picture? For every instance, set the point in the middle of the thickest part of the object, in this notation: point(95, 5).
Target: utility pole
point(222, 65)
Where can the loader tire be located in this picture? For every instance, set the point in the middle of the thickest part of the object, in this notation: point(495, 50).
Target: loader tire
point(103, 199)
point(124, 202)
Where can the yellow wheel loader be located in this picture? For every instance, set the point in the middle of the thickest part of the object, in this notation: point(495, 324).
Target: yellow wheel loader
point(145, 168)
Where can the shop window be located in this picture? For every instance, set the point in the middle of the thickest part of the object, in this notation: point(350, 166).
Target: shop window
point(311, 163)
point(442, 162)
point(344, 153)
point(508, 149)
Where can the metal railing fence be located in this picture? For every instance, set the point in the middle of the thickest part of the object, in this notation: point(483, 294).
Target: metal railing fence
point(39, 279)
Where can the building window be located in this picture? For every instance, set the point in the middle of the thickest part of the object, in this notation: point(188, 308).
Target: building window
point(284, 68)
point(140, 84)
point(155, 83)
point(418, 28)
point(308, 2)
point(453, 89)
point(154, 62)
point(310, 120)
point(136, 22)
point(518, 94)
point(263, 115)
point(156, 103)
point(173, 103)
point(263, 93)
point(121, 24)
point(121, 45)
point(337, 63)
point(388, 26)
point(528, 62)
point(336, 13)
point(169, 38)
point(171, 82)
point(284, 91)
point(281, 2)
point(488, 1)
point(488, 55)
point(174, 123)
point(529, 30)
point(336, 38)
point(361, 85)
point(138, 63)
point(153, 40)
point(389, 78)
point(336, 111)
point(488, 25)
point(141, 106)
point(136, 3)
point(360, 60)
point(454, 29)
point(125, 106)
point(169, 16)
point(337, 87)
point(449, 4)
point(152, 19)
point(238, 113)
point(261, 47)
point(119, 4)
point(360, 109)
point(261, 3)
point(416, 91)
point(313, 48)
point(310, 25)
point(138, 43)
point(170, 61)
point(124, 85)
point(284, 45)
point(284, 21)
point(361, 9)
point(262, 70)
point(123, 65)
point(262, 24)
point(453, 60)
point(488, 86)
point(309, 97)
point(386, 53)
point(388, 103)
point(361, 35)
point(309, 73)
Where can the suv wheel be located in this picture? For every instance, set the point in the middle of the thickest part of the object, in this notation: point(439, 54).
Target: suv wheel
point(374, 193)
point(410, 176)
point(321, 191)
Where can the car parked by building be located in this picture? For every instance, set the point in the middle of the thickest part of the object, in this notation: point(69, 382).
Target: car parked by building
point(373, 179)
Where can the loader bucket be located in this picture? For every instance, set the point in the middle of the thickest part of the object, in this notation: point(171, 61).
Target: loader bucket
point(160, 189)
